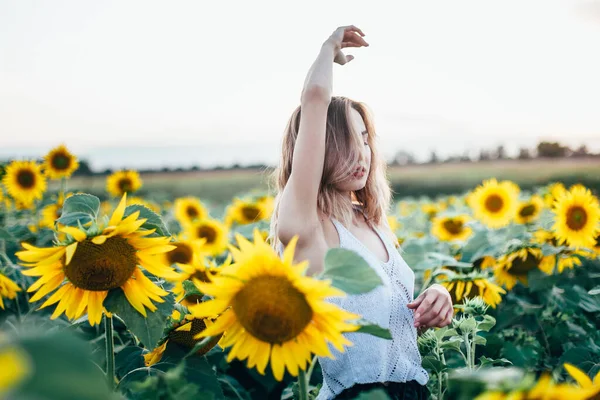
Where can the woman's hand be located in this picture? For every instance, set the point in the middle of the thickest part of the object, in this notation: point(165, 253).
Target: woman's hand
point(342, 37)
point(433, 307)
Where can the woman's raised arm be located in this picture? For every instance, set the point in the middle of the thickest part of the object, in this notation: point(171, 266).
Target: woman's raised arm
point(298, 205)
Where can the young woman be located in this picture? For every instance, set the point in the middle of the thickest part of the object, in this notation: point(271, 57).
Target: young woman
point(333, 192)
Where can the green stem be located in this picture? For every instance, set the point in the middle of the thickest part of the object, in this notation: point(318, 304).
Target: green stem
point(310, 369)
point(110, 351)
point(444, 376)
point(63, 186)
point(473, 349)
point(468, 347)
point(302, 385)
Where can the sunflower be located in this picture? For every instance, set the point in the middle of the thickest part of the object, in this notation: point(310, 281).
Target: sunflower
point(25, 182)
point(121, 182)
point(494, 203)
point(562, 260)
point(430, 210)
point(529, 211)
point(554, 192)
point(485, 262)
point(214, 233)
point(16, 367)
point(463, 286)
point(270, 311)
point(85, 268)
point(393, 223)
point(588, 389)
point(188, 256)
point(268, 204)
point(52, 212)
point(451, 228)
point(245, 212)
point(515, 266)
point(148, 204)
point(577, 218)
point(542, 236)
point(199, 272)
point(60, 163)
point(596, 247)
point(189, 209)
point(182, 331)
point(8, 289)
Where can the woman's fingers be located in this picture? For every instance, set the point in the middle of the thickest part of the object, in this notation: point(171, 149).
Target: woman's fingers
point(432, 313)
point(354, 29)
point(444, 319)
point(352, 37)
point(437, 321)
point(350, 44)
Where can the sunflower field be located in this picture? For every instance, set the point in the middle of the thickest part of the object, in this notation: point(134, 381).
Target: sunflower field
point(127, 297)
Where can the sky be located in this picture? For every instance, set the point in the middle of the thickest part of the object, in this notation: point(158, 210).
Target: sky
point(151, 83)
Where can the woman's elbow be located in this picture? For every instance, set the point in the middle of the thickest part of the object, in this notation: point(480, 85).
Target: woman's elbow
point(315, 94)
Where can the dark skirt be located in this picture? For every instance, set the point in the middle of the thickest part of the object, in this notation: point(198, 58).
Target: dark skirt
point(411, 390)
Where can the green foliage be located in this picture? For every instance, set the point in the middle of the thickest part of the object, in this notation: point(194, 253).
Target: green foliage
point(349, 272)
point(59, 366)
point(149, 329)
point(153, 220)
point(79, 209)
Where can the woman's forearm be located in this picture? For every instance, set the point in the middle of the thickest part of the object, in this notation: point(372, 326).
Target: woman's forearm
point(319, 80)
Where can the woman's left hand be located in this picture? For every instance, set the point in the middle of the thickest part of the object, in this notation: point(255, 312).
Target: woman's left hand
point(433, 307)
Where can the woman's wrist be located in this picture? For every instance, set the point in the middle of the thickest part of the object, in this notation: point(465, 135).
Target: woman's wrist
point(329, 48)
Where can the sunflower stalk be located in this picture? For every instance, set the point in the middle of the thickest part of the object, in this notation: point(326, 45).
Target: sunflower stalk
point(63, 187)
point(311, 368)
point(468, 346)
point(302, 385)
point(110, 351)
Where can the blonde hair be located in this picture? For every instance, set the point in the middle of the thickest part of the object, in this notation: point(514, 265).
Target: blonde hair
point(342, 152)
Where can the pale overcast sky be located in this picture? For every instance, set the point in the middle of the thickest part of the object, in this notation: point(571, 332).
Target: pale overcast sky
point(438, 74)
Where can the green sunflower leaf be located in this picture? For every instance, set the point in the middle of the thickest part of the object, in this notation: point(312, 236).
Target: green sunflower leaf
point(75, 218)
point(373, 329)
point(349, 272)
point(82, 203)
point(149, 329)
point(153, 220)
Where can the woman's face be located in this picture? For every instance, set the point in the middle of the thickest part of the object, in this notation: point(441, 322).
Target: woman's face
point(358, 179)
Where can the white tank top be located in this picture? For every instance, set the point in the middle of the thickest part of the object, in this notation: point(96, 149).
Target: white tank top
point(372, 359)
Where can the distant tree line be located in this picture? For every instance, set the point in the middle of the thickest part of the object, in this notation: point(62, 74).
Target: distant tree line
point(542, 150)
point(85, 170)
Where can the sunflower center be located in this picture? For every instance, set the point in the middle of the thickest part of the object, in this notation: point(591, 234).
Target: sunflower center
point(125, 185)
point(201, 275)
point(208, 233)
point(271, 309)
point(186, 338)
point(527, 211)
point(453, 226)
point(522, 267)
point(494, 203)
point(251, 213)
point(191, 211)
point(102, 267)
point(26, 179)
point(576, 218)
point(182, 254)
point(61, 161)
